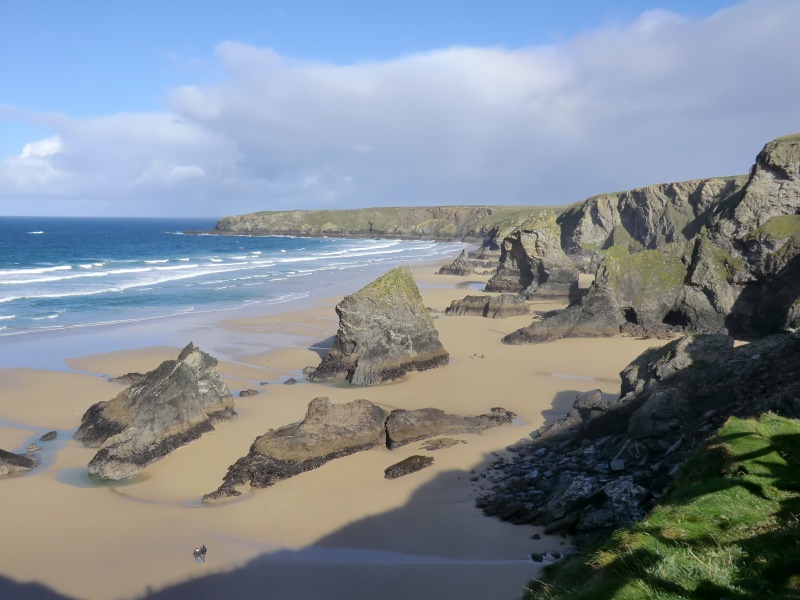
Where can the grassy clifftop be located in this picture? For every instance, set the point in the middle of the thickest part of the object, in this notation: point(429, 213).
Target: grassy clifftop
point(469, 223)
point(730, 528)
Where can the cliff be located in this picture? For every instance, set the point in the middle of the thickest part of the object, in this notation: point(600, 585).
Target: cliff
point(444, 223)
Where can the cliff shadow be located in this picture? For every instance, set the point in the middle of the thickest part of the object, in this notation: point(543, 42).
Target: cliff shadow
point(13, 590)
point(432, 547)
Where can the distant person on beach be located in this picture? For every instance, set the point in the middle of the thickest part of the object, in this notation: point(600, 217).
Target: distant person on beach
point(198, 555)
point(203, 553)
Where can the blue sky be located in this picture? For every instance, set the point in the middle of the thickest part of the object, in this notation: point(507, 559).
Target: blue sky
point(208, 109)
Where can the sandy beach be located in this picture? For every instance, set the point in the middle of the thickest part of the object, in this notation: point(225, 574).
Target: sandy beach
point(341, 531)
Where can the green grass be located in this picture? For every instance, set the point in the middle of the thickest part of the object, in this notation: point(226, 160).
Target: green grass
point(729, 528)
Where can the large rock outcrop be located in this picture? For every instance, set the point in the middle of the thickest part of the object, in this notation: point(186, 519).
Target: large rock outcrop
point(609, 459)
point(492, 307)
point(331, 431)
point(385, 331)
point(533, 264)
point(16, 463)
point(171, 406)
point(737, 275)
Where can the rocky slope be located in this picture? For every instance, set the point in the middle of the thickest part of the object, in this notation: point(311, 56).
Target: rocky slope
point(385, 331)
point(169, 407)
point(607, 462)
point(16, 463)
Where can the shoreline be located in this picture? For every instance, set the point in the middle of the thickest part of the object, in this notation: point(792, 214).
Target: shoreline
point(421, 532)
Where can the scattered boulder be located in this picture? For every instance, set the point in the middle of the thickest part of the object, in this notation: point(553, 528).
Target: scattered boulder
point(328, 431)
point(11, 463)
point(493, 307)
point(50, 435)
point(385, 331)
point(171, 406)
point(248, 393)
point(290, 381)
point(406, 426)
point(460, 266)
point(409, 465)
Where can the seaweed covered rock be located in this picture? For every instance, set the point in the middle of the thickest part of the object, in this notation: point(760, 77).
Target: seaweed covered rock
point(385, 331)
point(406, 426)
point(171, 406)
point(409, 465)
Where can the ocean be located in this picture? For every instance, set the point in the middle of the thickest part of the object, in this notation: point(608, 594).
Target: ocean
point(65, 274)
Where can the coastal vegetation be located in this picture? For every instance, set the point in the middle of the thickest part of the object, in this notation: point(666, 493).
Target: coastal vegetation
point(729, 528)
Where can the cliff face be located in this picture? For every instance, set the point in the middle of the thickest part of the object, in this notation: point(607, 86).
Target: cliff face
point(468, 223)
point(736, 273)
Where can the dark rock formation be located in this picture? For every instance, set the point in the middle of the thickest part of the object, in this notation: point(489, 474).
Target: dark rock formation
point(409, 465)
point(406, 426)
point(482, 262)
point(328, 431)
point(16, 463)
point(385, 331)
point(128, 378)
point(173, 405)
point(50, 435)
point(248, 393)
point(736, 273)
point(331, 431)
point(493, 307)
point(532, 262)
point(608, 460)
point(441, 443)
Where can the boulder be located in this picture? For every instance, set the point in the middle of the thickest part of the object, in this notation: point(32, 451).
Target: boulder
point(493, 307)
point(385, 331)
point(171, 406)
point(532, 263)
point(409, 465)
point(460, 266)
point(328, 431)
point(11, 463)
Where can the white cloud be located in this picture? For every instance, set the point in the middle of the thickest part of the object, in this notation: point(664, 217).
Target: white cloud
point(663, 99)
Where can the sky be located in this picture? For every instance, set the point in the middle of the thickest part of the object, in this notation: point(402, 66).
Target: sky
point(194, 108)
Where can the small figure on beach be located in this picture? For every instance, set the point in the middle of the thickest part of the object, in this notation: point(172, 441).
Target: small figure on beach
point(203, 553)
point(198, 555)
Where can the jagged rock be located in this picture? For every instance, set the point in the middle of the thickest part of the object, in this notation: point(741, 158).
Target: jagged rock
point(409, 465)
point(532, 262)
point(328, 431)
point(290, 381)
point(460, 266)
point(50, 435)
point(173, 405)
point(248, 393)
point(16, 463)
point(406, 426)
point(493, 307)
point(384, 332)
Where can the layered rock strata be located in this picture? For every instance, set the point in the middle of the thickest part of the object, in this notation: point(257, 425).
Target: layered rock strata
point(385, 331)
point(169, 407)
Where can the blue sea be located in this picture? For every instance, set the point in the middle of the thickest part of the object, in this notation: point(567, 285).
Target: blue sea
point(62, 274)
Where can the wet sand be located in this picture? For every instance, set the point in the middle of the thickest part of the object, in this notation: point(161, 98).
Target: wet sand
point(341, 531)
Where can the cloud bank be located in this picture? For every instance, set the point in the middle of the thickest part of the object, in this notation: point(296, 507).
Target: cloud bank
point(663, 99)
